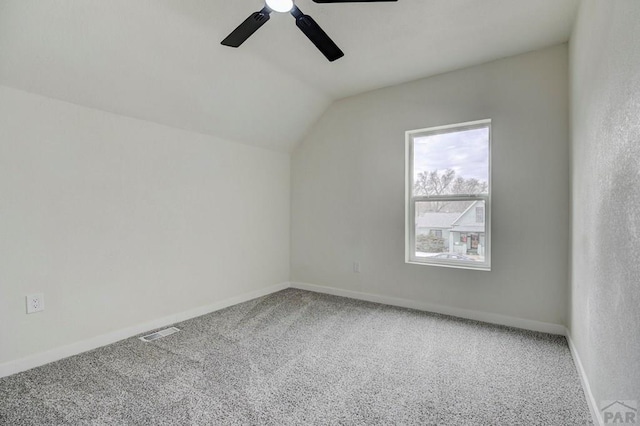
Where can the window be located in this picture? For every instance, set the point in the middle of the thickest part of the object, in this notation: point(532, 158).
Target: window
point(448, 194)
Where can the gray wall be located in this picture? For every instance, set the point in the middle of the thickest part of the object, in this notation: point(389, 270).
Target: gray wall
point(604, 304)
point(121, 221)
point(348, 189)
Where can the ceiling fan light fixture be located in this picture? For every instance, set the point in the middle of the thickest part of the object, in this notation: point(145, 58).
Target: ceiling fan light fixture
point(305, 23)
point(281, 6)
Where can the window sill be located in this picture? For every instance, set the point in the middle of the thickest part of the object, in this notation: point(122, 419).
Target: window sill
point(482, 267)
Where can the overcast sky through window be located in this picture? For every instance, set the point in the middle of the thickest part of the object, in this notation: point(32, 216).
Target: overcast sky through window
point(466, 152)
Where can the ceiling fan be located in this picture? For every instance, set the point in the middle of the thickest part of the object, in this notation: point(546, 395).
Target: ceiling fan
point(305, 22)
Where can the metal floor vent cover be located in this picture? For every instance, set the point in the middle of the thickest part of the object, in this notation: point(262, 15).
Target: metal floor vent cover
point(159, 334)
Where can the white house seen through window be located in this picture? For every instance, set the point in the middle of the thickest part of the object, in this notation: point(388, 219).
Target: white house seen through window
point(448, 193)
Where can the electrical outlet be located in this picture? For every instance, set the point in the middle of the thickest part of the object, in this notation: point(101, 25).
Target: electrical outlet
point(356, 267)
point(35, 303)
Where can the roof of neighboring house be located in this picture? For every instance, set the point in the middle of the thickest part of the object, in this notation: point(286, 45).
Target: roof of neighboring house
point(459, 225)
point(463, 213)
point(434, 220)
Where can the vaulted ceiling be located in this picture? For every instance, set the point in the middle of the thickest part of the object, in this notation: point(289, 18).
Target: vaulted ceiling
point(161, 60)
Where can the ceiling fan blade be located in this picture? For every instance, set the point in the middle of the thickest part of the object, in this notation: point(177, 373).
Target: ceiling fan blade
point(248, 27)
point(317, 36)
point(349, 1)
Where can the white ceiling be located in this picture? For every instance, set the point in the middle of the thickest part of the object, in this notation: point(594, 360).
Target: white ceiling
point(161, 60)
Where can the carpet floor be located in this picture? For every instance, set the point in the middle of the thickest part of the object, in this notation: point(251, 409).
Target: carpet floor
point(297, 357)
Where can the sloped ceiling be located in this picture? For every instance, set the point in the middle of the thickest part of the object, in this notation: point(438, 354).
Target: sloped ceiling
point(161, 60)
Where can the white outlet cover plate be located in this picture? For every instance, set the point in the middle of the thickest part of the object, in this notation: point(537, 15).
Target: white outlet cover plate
point(35, 303)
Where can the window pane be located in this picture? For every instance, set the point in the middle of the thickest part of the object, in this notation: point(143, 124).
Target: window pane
point(450, 230)
point(455, 162)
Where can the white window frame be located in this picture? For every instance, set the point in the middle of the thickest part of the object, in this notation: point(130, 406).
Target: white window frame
point(411, 200)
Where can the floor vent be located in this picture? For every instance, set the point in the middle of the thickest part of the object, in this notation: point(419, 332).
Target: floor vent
point(159, 334)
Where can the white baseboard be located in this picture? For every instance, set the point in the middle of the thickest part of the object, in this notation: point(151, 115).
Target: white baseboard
point(591, 401)
point(31, 361)
point(499, 319)
point(36, 360)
